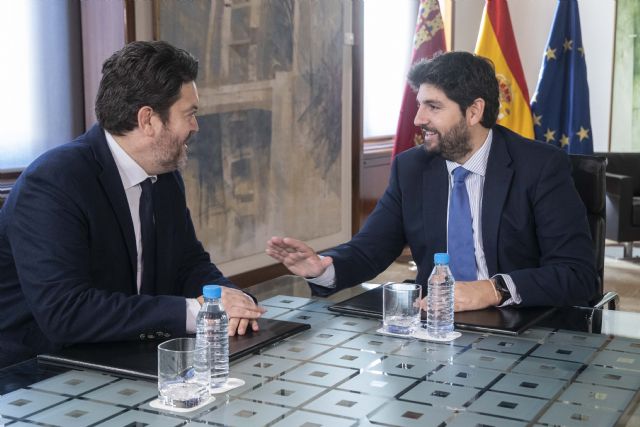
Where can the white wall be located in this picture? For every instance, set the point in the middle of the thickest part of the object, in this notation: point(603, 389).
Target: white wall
point(532, 21)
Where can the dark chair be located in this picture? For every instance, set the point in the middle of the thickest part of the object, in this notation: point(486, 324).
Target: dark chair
point(589, 177)
point(623, 199)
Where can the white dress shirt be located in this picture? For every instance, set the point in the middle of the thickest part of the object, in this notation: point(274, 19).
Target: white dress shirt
point(131, 175)
point(474, 182)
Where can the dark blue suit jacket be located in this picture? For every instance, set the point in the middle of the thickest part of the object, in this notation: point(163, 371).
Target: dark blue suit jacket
point(534, 225)
point(68, 255)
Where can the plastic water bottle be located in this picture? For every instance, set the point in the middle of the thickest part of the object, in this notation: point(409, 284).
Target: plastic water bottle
point(440, 298)
point(211, 329)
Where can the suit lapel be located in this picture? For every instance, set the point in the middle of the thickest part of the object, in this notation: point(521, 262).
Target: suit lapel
point(435, 191)
point(496, 186)
point(112, 185)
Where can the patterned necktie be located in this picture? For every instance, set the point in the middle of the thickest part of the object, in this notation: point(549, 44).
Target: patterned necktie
point(148, 232)
point(460, 233)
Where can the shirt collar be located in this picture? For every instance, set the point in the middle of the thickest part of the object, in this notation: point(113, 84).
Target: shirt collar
point(131, 173)
point(478, 162)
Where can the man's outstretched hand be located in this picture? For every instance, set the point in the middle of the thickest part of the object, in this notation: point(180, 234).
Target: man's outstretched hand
point(297, 256)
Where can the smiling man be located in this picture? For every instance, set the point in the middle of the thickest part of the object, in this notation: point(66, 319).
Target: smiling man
point(96, 241)
point(504, 207)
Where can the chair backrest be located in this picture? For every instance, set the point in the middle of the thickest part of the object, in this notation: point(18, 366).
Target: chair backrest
point(624, 164)
point(589, 176)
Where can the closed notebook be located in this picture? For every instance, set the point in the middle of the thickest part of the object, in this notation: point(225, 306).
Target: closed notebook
point(506, 320)
point(140, 358)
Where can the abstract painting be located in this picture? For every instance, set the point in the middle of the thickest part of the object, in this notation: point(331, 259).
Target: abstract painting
point(272, 156)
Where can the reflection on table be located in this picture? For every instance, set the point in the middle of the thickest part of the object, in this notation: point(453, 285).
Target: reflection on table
point(341, 373)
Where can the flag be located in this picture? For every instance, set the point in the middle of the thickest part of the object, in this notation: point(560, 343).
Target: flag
point(560, 104)
point(497, 42)
point(428, 40)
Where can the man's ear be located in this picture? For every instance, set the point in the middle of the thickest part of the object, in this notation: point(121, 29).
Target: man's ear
point(145, 117)
point(475, 111)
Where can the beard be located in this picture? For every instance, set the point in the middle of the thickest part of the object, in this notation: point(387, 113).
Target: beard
point(170, 151)
point(452, 145)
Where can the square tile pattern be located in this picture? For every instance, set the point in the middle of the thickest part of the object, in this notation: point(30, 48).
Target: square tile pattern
point(404, 366)
point(341, 373)
point(441, 395)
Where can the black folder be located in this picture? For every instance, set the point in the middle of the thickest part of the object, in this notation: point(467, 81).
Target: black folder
point(505, 320)
point(139, 359)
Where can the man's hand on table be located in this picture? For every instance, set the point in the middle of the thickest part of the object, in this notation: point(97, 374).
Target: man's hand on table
point(474, 295)
point(241, 310)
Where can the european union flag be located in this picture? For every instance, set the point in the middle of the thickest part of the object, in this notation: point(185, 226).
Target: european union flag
point(560, 105)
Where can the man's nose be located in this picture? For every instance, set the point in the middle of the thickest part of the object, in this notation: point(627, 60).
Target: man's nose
point(420, 118)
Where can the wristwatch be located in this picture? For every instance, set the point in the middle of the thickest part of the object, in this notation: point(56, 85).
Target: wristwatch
point(501, 289)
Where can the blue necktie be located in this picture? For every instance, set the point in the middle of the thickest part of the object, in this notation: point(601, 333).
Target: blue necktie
point(148, 232)
point(460, 240)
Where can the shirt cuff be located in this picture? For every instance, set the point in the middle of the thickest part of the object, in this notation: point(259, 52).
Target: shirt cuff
point(326, 279)
point(515, 296)
point(193, 307)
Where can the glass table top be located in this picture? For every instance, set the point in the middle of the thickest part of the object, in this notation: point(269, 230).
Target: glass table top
point(342, 373)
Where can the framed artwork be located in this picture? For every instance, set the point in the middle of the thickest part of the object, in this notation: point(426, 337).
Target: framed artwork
point(625, 109)
point(273, 154)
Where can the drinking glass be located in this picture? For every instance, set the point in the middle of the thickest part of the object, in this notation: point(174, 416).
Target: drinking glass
point(183, 373)
point(401, 307)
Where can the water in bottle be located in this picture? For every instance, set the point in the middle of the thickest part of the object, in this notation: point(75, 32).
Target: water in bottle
point(440, 298)
point(211, 329)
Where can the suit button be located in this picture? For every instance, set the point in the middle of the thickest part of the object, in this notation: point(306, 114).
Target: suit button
point(142, 337)
point(150, 336)
point(167, 334)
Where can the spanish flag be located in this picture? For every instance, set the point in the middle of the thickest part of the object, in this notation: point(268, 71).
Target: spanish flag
point(497, 42)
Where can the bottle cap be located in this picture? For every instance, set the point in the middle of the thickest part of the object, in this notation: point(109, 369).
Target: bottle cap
point(441, 258)
point(211, 291)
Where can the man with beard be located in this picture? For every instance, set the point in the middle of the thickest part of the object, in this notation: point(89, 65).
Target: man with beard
point(527, 239)
point(96, 241)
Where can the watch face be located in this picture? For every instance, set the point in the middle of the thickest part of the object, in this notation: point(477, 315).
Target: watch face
point(502, 288)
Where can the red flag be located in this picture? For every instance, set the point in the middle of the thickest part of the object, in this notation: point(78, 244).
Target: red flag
point(428, 41)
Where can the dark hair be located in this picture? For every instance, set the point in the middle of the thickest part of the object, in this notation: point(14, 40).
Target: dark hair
point(463, 77)
point(141, 74)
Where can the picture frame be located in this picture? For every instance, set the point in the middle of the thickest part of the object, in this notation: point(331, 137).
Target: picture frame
point(625, 103)
point(273, 156)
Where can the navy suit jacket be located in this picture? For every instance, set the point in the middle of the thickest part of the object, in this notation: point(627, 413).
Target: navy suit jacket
point(534, 224)
point(68, 255)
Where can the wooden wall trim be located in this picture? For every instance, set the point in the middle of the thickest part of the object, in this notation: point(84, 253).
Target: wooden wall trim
point(129, 21)
point(9, 176)
point(356, 120)
point(250, 278)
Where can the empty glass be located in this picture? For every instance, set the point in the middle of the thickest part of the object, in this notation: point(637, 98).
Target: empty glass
point(401, 307)
point(183, 373)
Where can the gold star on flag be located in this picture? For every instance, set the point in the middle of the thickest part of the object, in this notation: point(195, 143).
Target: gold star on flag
point(581, 50)
point(568, 44)
point(534, 98)
point(537, 119)
point(550, 135)
point(564, 140)
point(583, 133)
point(550, 53)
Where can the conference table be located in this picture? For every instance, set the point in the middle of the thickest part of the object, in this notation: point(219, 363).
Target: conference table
point(578, 367)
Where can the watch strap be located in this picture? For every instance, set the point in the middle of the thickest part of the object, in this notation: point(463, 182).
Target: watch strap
point(501, 289)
